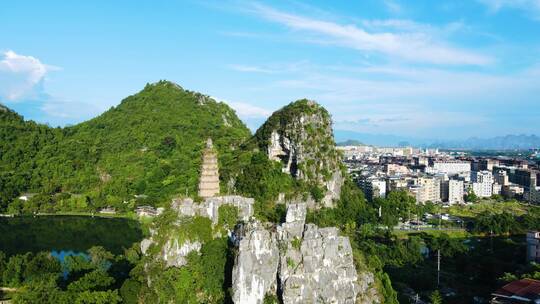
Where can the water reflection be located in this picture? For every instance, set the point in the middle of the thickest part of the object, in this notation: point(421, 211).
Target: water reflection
point(61, 256)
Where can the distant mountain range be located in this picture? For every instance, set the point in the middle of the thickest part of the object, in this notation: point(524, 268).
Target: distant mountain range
point(507, 142)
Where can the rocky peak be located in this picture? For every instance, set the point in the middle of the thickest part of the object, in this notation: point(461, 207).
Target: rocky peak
point(300, 263)
point(300, 137)
point(163, 84)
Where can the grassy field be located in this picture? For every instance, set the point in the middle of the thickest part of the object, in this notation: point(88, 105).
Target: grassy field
point(131, 215)
point(454, 233)
point(492, 206)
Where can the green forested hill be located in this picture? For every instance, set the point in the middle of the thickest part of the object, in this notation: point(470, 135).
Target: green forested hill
point(149, 144)
point(20, 143)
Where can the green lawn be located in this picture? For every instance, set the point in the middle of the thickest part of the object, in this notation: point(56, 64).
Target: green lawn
point(454, 233)
point(492, 206)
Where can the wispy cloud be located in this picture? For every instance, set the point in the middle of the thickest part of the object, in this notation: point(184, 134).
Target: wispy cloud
point(400, 99)
point(21, 76)
point(393, 6)
point(530, 7)
point(250, 69)
point(246, 110)
point(411, 46)
point(69, 111)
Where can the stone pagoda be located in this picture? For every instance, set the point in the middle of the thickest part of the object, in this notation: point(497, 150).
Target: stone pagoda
point(209, 181)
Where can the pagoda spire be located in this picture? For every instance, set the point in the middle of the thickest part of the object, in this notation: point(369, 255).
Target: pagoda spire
point(209, 179)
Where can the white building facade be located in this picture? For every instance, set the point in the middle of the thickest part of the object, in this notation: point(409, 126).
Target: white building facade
point(449, 167)
point(482, 183)
point(455, 192)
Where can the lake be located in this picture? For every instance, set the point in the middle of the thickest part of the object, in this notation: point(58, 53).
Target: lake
point(67, 233)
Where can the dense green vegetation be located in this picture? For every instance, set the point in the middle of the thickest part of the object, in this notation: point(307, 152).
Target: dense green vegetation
point(206, 278)
point(149, 145)
point(202, 280)
point(96, 278)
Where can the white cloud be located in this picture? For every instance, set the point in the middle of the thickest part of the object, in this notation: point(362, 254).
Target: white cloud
point(21, 76)
point(396, 99)
point(531, 7)
point(250, 69)
point(69, 111)
point(392, 6)
point(246, 110)
point(417, 46)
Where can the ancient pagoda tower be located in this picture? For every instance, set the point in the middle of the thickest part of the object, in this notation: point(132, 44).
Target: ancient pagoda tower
point(209, 181)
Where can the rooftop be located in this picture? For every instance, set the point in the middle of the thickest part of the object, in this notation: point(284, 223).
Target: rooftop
point(523, 290)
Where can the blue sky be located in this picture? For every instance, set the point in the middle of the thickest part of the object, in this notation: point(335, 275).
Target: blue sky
point(428, 69)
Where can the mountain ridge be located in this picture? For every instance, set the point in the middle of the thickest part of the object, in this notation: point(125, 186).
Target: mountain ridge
point(504, 142)
point(150, 143)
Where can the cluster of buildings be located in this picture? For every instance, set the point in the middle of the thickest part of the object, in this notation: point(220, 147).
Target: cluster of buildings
point(439, 177)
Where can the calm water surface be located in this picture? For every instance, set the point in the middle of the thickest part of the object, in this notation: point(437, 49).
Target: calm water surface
point(63, 235)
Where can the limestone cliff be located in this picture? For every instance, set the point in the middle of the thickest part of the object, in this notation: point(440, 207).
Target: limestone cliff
point(256, 264)
point(172, 242)
point(300, 137)
point(300, 263)
point(293, 262)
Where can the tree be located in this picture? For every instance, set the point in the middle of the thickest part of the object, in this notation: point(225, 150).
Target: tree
point(130, 291)
point(94, 280)
point(436, 297)
point(100, 257)
point(98, 297)
point(41, 264)
point(13, 275)
point(43, 291)
point(471, 196)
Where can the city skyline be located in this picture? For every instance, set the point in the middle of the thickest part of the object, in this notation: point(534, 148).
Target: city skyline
point(450, 69)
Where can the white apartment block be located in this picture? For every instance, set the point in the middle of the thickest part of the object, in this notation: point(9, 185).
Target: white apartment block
point(395, 169)
point(429, 189)
point(453, 191)
point(373, 188)
point(355, 152)
point(482, 184)
point(378, 188)
point(449, 167)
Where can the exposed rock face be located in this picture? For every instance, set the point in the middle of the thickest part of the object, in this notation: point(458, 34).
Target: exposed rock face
point(145, 244)
point(294, 223)
point(333, 187)
point(174, 254)
point(368, 294)
point(300, 137)
point(209, 179)
point(209, 208)
point(255, 267)
point(315, 264)
point(321, 270)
